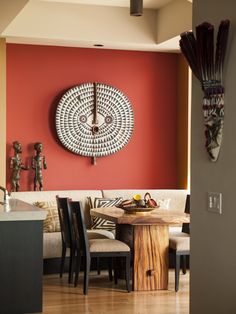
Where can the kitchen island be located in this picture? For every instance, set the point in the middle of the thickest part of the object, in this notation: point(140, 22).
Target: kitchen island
point(21, 257)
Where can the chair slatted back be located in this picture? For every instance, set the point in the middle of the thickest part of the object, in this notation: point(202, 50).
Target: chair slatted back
point(78, 226)
point(186, 226)
point(65, 220)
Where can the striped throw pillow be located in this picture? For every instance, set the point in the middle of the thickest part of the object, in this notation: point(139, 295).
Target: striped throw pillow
point(51, 223)
point(99, 223)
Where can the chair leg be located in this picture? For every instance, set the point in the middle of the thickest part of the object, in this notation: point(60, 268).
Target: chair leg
point(184, 264)
point(77, 268)
point(71, 265)
point(98, 266)
point(177, 270)
point(115, 270)
point(110, 269)
point(86, 273)
point(127, 272)
point(63, 256)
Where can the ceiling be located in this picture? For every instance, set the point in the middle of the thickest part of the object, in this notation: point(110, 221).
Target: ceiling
point(85, 23)
point(147, 4)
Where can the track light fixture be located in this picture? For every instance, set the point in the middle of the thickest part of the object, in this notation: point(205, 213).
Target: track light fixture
point(136, 7)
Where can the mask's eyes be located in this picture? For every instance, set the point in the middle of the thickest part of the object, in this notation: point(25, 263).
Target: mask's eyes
point(108, 119)
point(83, 119)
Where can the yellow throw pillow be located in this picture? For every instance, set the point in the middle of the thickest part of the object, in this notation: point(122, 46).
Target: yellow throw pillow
point(51, 223)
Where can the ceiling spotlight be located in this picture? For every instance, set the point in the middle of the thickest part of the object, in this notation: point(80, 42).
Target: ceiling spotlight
point(136, 7)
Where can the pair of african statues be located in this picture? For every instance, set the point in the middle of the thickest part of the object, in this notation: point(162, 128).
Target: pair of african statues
point(38, 163)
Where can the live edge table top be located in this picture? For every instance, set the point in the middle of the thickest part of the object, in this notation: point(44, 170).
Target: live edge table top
point(155, 217)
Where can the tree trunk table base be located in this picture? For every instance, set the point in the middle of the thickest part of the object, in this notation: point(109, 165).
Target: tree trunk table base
point(150, 265)
point(149, 247)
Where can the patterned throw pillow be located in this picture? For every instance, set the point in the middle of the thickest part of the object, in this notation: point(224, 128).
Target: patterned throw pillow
point(99, 223)
point(51, 223)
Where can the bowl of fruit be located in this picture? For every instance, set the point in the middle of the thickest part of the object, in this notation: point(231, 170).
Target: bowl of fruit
point(137, 204)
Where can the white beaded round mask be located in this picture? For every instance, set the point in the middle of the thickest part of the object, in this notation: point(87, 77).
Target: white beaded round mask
point(94, 120)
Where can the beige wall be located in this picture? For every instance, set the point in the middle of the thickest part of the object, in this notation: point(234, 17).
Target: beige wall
point(213, 249)
point(2, 112)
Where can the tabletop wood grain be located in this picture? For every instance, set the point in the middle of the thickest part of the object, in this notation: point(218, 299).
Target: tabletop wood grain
point(157, 216)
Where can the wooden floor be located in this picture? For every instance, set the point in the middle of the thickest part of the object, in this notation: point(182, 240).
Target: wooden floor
point(104, 297)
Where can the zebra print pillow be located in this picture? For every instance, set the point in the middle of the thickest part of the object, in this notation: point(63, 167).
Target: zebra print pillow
point(99, 223)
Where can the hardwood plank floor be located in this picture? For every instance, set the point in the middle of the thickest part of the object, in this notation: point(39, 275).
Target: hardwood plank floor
point(105, 297)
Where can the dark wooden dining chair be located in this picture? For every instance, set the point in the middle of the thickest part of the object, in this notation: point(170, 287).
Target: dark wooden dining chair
point(93, 248)
point(179, 244)
point(66, 235)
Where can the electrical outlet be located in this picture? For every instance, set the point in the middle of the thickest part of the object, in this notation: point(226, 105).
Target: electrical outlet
point(215, 202)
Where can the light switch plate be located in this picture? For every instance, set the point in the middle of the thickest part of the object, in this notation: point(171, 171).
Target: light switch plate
point(215, 202)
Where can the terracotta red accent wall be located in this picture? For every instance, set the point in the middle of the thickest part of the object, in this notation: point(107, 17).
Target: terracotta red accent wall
point(37, 76)
point(182, 123)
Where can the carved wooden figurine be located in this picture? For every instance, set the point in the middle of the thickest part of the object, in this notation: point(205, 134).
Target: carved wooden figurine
point(38, 163)
point(16, 166)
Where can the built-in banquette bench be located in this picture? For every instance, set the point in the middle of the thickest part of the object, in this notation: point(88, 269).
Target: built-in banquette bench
point(167, 199)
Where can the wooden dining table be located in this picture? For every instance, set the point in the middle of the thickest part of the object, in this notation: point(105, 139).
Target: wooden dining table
point(147, 234)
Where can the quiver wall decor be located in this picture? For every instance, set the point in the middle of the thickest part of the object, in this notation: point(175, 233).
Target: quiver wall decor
point(207, 66)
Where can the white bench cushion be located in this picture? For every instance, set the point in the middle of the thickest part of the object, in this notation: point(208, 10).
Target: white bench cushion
point(177, 197)
point(46, 196)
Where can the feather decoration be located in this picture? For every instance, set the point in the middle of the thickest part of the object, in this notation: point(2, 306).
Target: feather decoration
point(221, 45)
point(207, 66)
point(205, 50)
point(189, 49)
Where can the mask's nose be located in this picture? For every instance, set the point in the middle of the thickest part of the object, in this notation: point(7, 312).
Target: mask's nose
point(95, 129)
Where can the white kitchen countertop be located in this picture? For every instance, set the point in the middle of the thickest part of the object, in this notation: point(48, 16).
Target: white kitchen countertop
point(17, 210)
